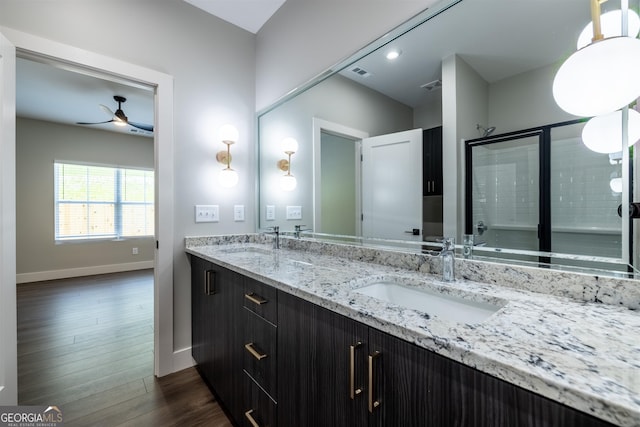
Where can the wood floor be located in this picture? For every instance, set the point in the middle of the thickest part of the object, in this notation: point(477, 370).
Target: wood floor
point(86, 345)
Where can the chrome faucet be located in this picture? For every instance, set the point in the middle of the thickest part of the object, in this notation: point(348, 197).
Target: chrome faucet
point(275, 230)
point(298, 229)
point(448, 259)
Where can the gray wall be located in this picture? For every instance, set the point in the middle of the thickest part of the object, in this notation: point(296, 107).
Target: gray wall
point(213, 64)
point(337, 100)
point(38, 145)
point(306, 37)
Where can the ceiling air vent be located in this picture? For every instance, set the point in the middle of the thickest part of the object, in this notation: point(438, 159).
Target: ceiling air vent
point(361, 72)
point(431, 86)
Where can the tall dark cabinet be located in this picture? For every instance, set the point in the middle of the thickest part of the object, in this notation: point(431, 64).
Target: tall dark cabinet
point(432, 162)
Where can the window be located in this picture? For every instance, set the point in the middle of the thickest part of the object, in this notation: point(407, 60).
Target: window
point(93, 202)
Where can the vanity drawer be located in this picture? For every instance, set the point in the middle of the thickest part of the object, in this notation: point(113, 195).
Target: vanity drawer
point(261, 299)
point(259, 408)
point(260, 345)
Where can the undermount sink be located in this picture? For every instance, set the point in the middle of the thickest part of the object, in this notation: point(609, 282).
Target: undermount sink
point(432, 302)
point(248, 249)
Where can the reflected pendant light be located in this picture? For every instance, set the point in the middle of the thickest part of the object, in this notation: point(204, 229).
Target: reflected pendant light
point(603, 134)
point(601, 77)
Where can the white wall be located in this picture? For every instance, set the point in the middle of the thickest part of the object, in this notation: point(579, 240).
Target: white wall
point(38, 145)
point(213, 65)
point(306, 37)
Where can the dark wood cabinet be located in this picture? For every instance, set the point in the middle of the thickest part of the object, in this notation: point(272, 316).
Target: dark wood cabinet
point(432, 162)
point(315, 366)
point(216, 324)
point(308, 366)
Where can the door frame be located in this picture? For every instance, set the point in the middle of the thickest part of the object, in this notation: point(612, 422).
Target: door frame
point(163, 165)
point(319, 126)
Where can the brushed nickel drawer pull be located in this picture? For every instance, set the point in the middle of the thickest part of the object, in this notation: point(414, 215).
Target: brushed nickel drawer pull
point(254, 352)
point(255, 298)
point(250, 418)
point(352, 371)
point(372, 403)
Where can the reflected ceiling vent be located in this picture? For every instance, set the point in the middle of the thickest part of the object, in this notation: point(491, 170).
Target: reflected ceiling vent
point(431, 86)
point(361, 72)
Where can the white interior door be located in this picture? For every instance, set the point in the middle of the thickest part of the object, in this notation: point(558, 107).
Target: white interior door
point(392, 185)
point(8, 326)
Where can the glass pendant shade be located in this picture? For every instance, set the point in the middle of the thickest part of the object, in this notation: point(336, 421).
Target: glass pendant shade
point(228, 133)
point(616, 185)
point(611, 23)
point(289, 145)
point(288, 182)
point(603, 134)
point(228, 178)
point(599, 78)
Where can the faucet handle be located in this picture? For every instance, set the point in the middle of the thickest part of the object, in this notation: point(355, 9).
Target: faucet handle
point(448, 243)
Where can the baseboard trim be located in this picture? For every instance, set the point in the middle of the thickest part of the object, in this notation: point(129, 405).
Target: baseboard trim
point(182, 359)
point(40, 276)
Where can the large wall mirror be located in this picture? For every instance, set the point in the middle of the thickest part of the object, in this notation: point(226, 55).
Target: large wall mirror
point(383, 142)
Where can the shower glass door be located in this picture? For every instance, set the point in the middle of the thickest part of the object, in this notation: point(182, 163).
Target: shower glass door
point(586, 190)
point(505, 192)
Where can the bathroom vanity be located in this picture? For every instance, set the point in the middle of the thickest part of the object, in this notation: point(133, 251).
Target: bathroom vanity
point(298, 337)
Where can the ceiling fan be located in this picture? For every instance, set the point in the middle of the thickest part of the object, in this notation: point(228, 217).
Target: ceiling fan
point(119, 118)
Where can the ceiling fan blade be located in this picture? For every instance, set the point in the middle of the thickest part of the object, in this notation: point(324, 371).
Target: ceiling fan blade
point(107, 110)
point(95, 123)
point(141, 126)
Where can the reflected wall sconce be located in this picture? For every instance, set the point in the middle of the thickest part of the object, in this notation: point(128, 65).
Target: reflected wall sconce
point(603, 134)
point(228, 135)
point(601, 77)
point(287, 181)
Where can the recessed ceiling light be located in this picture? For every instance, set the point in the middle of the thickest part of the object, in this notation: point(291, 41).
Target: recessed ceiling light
point(393, 54)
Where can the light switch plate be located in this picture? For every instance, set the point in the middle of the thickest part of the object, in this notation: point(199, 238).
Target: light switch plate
point(238, 212)
point(294, 212)
point(207, 213)
point(271, 213)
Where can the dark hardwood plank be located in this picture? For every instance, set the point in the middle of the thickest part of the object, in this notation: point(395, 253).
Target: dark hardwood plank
point(86, 345)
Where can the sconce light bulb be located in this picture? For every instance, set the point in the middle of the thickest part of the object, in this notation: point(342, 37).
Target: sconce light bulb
point(228, 178)
point(599, 78)
point(289, 145)
point(611, 23)
point(603, 134)
point(288, 182)
point(229, 134)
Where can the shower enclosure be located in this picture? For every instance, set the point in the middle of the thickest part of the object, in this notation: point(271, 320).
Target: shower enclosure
point(542, 189)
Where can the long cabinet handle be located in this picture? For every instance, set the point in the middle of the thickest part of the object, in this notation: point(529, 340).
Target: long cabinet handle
point(209, 287)
point(255, 298)
point(373, 404)
point(253, 422)
point(352, 371)
point(254, 352)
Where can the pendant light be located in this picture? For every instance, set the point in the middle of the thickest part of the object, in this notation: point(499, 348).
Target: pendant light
point(603, 134)
point(602, 76)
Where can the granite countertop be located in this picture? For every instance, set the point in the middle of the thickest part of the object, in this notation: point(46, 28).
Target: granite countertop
point(582, 354)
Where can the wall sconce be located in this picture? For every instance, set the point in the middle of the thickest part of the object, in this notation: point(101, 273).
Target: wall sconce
point(603, 134)
point(601, 77)
point(288, 182)
point(229, 135)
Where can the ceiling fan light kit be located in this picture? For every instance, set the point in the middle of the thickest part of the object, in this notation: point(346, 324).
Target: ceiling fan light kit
point(119, 118)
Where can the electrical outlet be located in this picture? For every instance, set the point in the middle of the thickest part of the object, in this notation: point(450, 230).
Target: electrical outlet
point(207, 213)
point(294, 212)
point(134, 251)
point(238, 212)
point(271, 213)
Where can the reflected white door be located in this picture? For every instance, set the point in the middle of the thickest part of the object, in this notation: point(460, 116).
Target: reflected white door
point(8, 327)
point(392, 185)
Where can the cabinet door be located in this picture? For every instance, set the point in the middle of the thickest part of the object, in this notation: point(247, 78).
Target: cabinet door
point(432, 162)
point(225, 324)
point(201, 307)
point(411, 386)
point(315, 369)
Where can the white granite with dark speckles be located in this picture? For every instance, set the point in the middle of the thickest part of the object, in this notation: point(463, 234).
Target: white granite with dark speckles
point(583, 354)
